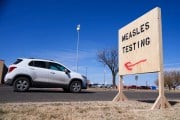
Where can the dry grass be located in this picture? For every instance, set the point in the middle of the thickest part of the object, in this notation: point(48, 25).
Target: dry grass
point(129, 110)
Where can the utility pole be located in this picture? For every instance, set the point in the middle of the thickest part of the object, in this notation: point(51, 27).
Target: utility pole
point(77, 50)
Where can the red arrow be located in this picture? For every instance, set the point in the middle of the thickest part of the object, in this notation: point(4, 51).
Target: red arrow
point(129, 66)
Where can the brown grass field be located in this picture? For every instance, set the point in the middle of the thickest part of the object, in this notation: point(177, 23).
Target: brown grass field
point(128, 110)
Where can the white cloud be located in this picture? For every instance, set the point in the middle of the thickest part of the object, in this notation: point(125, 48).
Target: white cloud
point(172, 69)
point(172, 66)
point(67, 57)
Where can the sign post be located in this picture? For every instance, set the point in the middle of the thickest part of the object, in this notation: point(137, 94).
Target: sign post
point(1, 70)
point(120, 96)
point(140, 51)
point(161, 101)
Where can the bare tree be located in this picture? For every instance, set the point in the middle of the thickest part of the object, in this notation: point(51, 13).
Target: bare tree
point(168, 79)
point(175, 75)
point(110, 58)
point(171, 79)
point(156, 82)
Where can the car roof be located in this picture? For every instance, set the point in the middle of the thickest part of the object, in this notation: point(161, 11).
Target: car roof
point(37, 59)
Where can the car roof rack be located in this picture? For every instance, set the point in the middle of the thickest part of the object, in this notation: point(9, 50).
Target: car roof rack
point(41, 59)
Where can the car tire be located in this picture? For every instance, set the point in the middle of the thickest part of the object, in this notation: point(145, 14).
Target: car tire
point(21, 84)
point(75, 86)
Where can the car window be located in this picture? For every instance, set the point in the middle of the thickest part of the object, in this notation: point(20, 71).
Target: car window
point(18, 61)
point(40, 64)
point(55, 66)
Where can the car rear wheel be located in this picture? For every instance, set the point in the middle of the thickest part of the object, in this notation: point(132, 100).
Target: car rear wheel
point(75, 86)
point(21, 84)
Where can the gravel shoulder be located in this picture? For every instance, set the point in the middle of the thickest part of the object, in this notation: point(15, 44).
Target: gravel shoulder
point(97, 110)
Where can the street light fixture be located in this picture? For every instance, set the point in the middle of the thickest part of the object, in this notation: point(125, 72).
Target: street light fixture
point(77, 50)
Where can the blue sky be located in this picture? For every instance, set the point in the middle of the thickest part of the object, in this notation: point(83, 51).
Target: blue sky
point(47, 29)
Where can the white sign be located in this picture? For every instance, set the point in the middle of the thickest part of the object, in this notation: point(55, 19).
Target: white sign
point(140, 44)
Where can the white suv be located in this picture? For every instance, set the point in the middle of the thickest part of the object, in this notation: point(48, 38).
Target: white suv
point(26, 73)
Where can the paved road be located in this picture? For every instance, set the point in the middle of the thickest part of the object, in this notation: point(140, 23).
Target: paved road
point(55, 95)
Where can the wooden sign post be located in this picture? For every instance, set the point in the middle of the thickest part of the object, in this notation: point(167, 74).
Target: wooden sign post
point(161, 102)
point(140, 51)
point(120, 96)
point(1, 70)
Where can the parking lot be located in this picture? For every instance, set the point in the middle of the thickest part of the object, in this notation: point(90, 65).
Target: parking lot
point(7, 95)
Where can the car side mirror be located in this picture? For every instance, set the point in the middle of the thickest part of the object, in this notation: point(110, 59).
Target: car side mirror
point(66, 71)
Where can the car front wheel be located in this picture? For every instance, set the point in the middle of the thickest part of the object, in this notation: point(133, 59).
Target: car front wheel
point(21, 84)
point(75, 86)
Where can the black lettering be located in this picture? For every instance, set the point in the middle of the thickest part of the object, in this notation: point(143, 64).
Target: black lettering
point(126, 48)
point(123, 49)
point(123, 38)
point(134, 32)
point(147, 25)
point(137, 32)
point(142, 28)
point(147, 41)
point(130, 48)
point(143, 42)
point(130, 35)
point(134, 45)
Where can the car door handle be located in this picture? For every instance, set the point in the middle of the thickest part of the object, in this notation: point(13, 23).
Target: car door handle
point(52, 72)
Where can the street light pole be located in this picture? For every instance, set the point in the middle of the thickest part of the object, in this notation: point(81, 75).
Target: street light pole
point(77, 50)
point(86, 72)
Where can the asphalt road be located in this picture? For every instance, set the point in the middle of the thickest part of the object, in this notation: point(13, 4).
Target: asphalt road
point(57, 95)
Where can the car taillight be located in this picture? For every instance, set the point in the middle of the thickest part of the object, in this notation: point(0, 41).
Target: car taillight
point(11, 69)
